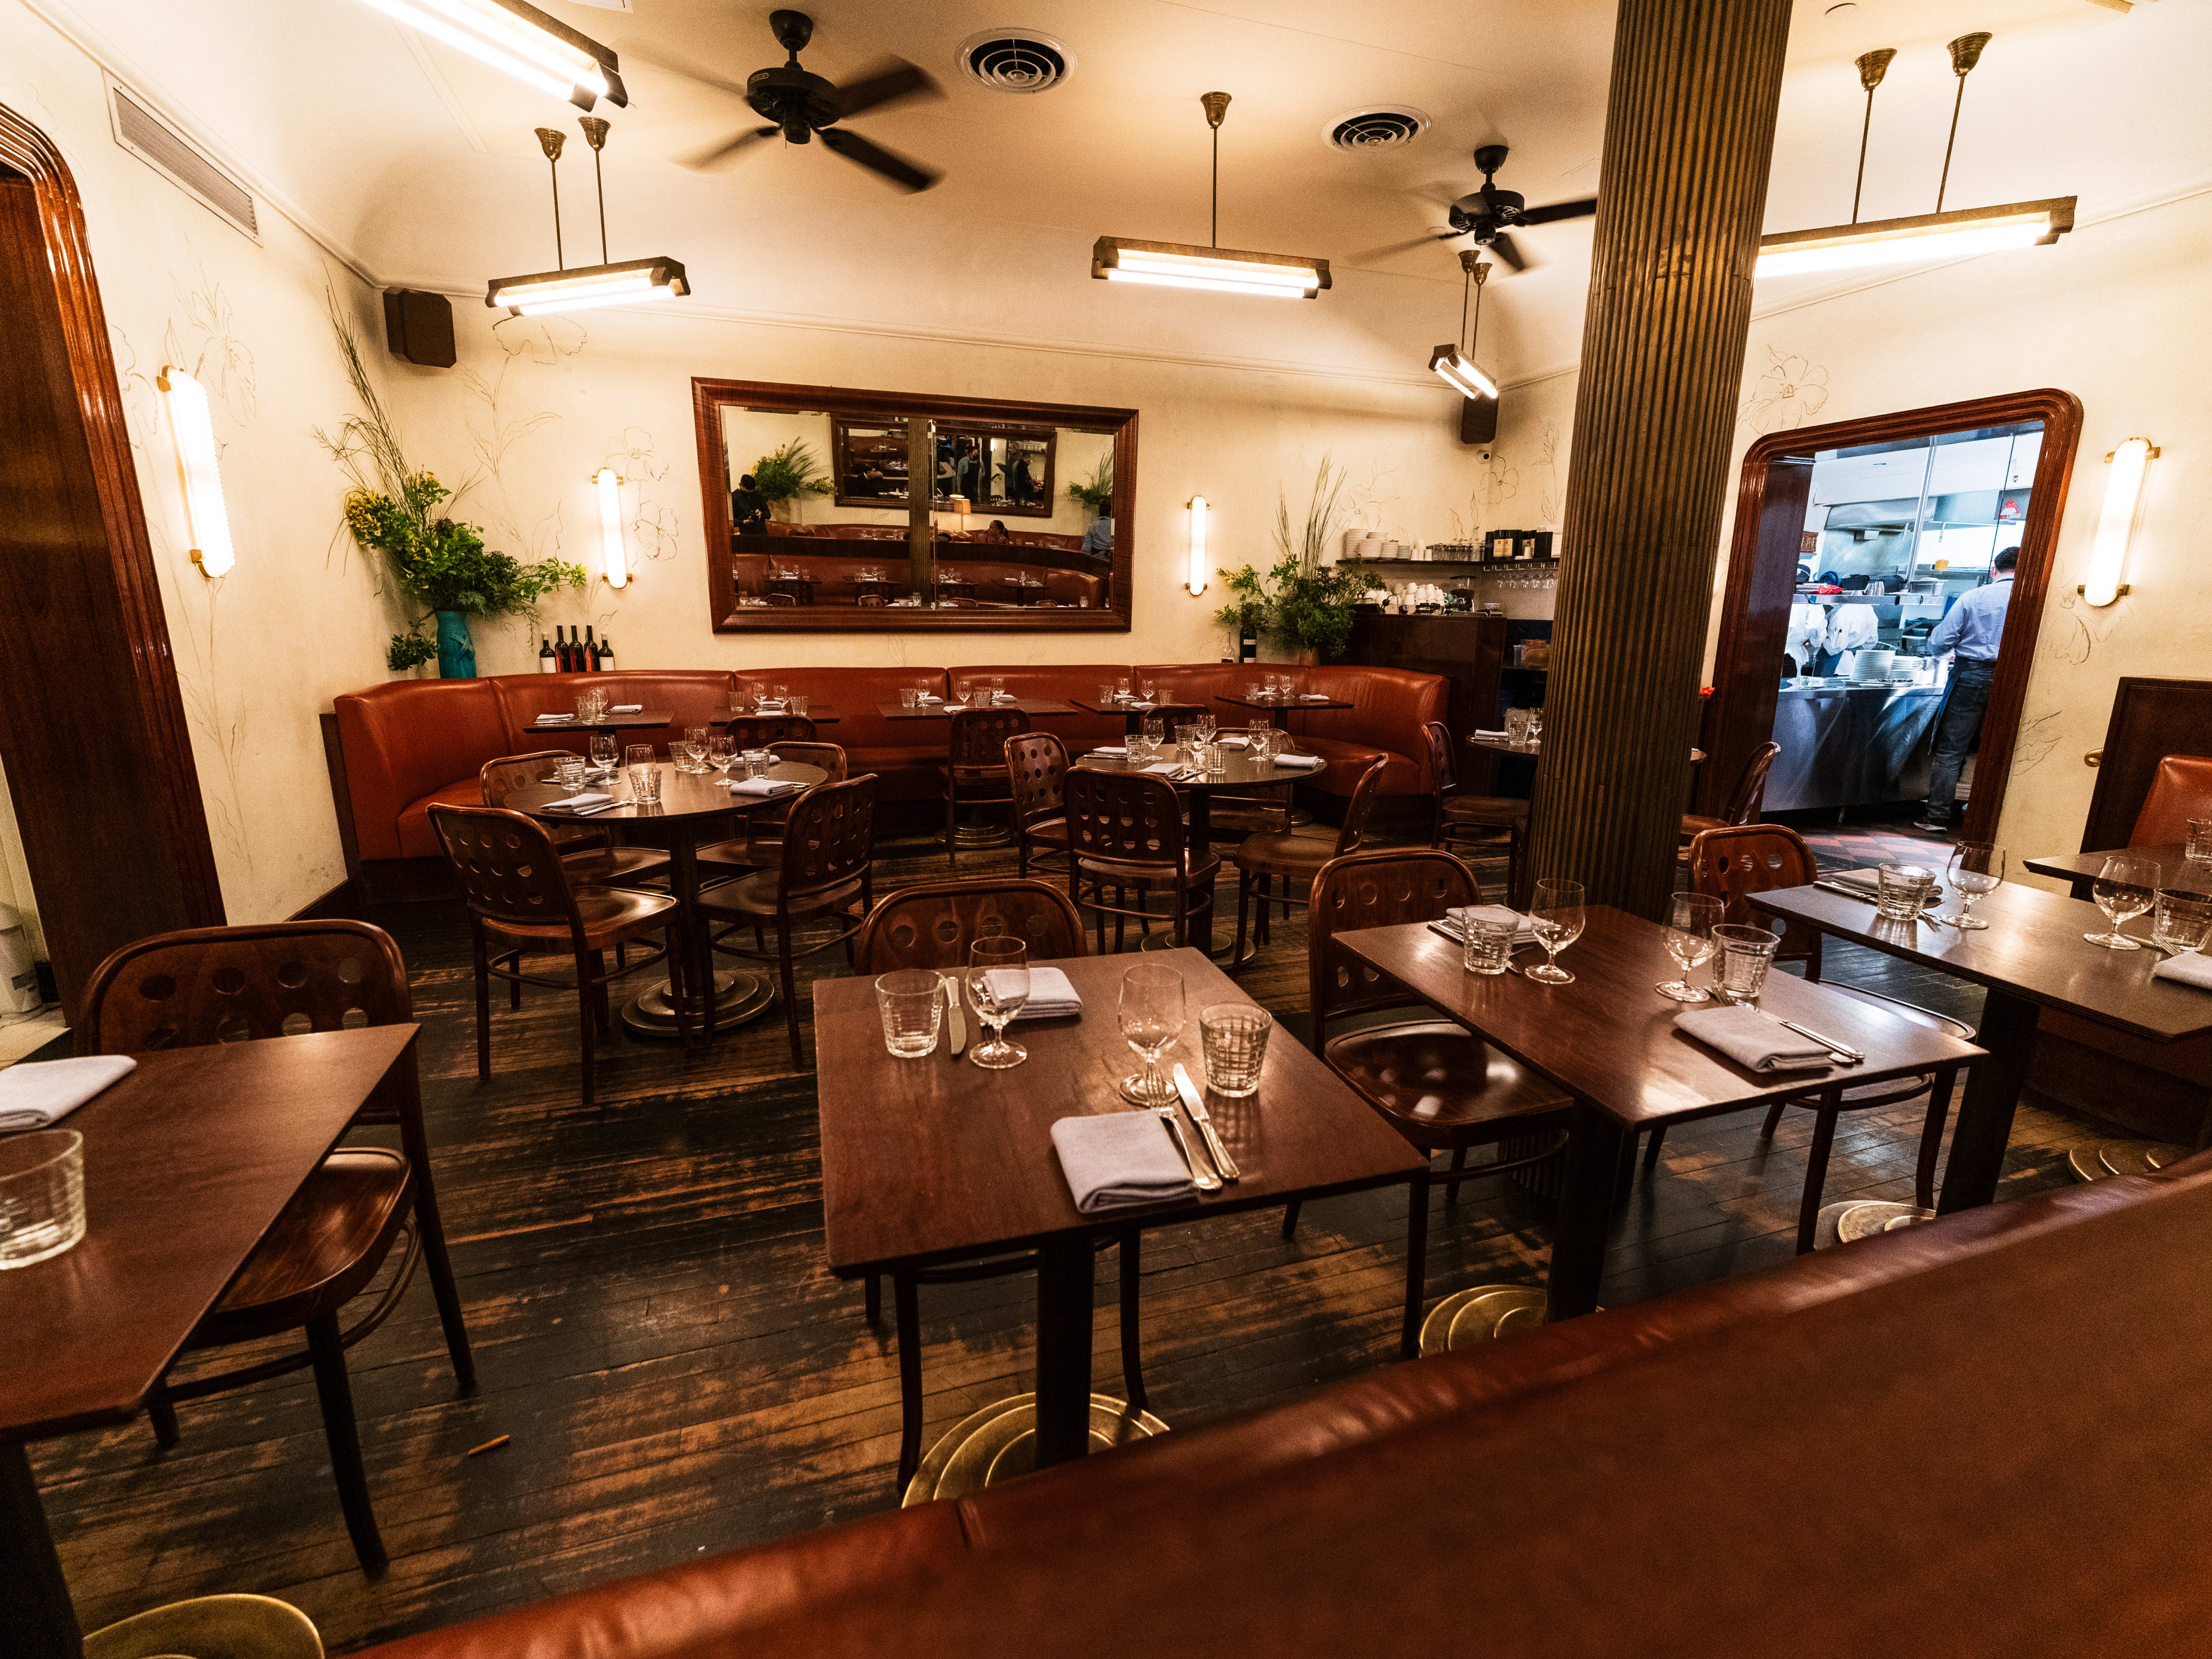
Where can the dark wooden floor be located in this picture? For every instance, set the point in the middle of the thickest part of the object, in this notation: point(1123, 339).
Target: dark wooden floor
point(656, 1332)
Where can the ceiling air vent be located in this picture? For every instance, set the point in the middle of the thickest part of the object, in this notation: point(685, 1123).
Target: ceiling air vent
point(1386, 126)
point(153, 142)
point(1016, 60)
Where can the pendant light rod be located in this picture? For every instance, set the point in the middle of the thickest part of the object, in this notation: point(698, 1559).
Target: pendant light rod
point(595, 135)
point(550, 139)
point(1965, 52)
point(1216, 106)
point(1872, 66)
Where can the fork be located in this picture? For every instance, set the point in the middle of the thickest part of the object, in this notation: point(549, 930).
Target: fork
point(1200, 1177)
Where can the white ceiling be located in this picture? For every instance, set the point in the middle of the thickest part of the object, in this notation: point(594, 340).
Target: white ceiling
point(422, 162)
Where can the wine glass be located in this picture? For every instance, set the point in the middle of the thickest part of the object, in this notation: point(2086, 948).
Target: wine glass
point(1152, 1019)
point(2124, 889)
point(1690, 921)
point(1977, 867)
point(1155, 730)
point(955, 695)
point(998, 983)
point(1536, 724)
point(1556, 918)
point(721, 751)
point(604, 751)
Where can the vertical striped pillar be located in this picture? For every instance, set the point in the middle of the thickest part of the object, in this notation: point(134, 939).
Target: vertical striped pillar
point(1689, 130)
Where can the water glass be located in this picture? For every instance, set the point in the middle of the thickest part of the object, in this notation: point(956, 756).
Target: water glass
point(41, 1195)
point(2125, 887)
point(1151, 1014)
point(1107, 695)
point(1215, 759)
point(777, 694)
point(589, 705)
point(998, 984)
point(637, 754)
point(1234, 1037)
point(1746, 954)
point(1155, 731)
point(568, 773)
point(1516, 726)
point(2198, 847)
point(909, 697)
point(1977, 867)
point(683, 756)
point(2181, 919)
point(1691, 919)
point(1487, 944)
point(645, 785)
point(912, 1002)
point(1556, 918)
point(1536, 724)
point(797, 705)
point(1901, 890)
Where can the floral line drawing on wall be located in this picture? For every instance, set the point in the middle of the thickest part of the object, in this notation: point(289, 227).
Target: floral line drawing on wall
point(1788, 393)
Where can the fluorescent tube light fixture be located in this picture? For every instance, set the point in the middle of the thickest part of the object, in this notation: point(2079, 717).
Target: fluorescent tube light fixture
point(515, 36)
point(1196, 579)
point(2116, 524)
point(1455, 368)
point(207, 518)
point(580, 287)
point(614, 559)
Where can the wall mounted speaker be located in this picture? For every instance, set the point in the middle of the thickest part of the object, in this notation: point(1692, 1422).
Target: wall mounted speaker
point(419, 327)
point(1478, 418)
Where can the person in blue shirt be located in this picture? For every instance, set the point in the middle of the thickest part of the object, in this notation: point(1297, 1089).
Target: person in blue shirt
point(1098, 540)
point(1970, 635)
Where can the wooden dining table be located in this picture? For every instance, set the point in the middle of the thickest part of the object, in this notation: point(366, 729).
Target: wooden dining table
point(188, 1160)
point(933, 1161)
point(1609, 1040)
point(1034, 707)
point(2080, 869)
point(2032, 956)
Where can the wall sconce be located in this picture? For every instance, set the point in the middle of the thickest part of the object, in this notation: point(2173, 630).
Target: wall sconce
point(2116, 524)
point(207, 519)
point(613, 557)
point(1196, 581)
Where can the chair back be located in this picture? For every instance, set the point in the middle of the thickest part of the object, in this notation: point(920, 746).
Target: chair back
point(829, 757)
point(2180, 790)
point(498, 778)
point(1732, 864)
point(1750, 792)
point(932, 923)
point(1126, 821)
point(1377, 888)
point(1036, 762)
point(509, 868)
point(1360, 807)
point(783, 599)
point(978, 740)
point(1440, 758)
point(766, 731)
point(1173, 716)
point(829, 838)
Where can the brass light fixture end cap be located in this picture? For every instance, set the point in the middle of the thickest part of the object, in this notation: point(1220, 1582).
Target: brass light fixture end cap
point(1873, 65)
point(550, 139)
point(1966, 51)
point(595, 130)
point(1216, 106)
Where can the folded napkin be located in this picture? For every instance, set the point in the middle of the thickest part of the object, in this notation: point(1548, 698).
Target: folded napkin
point(762, 786)
point(768, 706)
point(928, 696)
point(1052, 996)
point(1454, 922)
point(1119, 1159)
point(1313, 696)
point(554, 720)
point(1166, 768)
point(2191, 968)
point(1004, 698)
point(1479, 732)
point(1112, 751)
point(1300, 760)
point(1231, 741)
point(626, 708)
point(571, 803)
point(38, 1094)
point(1870, 883)
point(1139, 706)
point(1752, 1040)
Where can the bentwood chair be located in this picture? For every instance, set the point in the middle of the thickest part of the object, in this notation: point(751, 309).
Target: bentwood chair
point(1295, 859)
point(587, 851)
point(826, 872)
point(1036, 766)
point(1457, 820)
point(1730, 865)
point(1125, 830)
point(1744, 800)
point(761, 847)
point(1432, 1080)
point(521, 902)
point(766, 731)
point(278, 979)
point(931, 924)
point(976, 769)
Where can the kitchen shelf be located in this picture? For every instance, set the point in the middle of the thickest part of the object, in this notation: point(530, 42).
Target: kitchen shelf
point(1462, 564)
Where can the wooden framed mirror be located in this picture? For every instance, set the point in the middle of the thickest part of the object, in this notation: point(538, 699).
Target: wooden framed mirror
point(815, 522)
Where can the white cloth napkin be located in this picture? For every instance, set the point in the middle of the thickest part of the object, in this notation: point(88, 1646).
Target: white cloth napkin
point(1479, 732)
point(927, 696)
point(1052, 996)
point(554, 720)
point(1119, 1159)
point(761, 786)
point(1870, 883)
point(1139, 707)
point(38, 1094)
point(626, 708)
point(1113, 751)
point(1300, 760)
point(1524, 931)
point(588, 797)
point(2191, 968)
point(1165, 768)
point(1230, 742)
point(1752, 1040)
point(1313, 696)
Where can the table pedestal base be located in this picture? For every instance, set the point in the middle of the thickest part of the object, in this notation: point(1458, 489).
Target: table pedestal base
point(999, 1443)
point(2113, 1158)
point(1858, 1221)
point(1482, 1315)
point(740, 998)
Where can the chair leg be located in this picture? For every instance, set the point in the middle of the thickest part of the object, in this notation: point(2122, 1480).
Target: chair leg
point(1932, 1138)
point(951, 828)
point(907, 1317)
point(1816, 1170)
point(514, 986)
point(600, 1012)
point(432, 1228)
point(785, 979)
point(1099, 914)
point(1417, 1264)
point(1651, 1148)
point(587, 1023)
point(1120, 922)
point(1133, 1352)
point(675, 947)
point(482, 954)
point(334, 1394)
point(1265, 885)
point(1773, 1121)
point(1290, 1218)
point(873, 1291)
point(1451, 1187)
point(1244, 912)
point(162, 1412)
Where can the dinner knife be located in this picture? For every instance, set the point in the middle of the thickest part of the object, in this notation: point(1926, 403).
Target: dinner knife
point(1842, 1051)
point(1196, 1107)
point(956, 1028)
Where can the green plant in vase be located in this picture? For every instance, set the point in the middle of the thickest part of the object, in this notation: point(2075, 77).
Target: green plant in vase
point(1095, 492)
point(1300, 603)
point(786, 473)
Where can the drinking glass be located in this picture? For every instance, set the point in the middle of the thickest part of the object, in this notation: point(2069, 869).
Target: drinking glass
point(2199, 848)
point(1746, 955)
point(1155, 730)
point(568, 772)
point(1152, 1019)
point(955, 695)
point(1556, 920)
point(1691, 919)
point(1215, 759)
point(2181, 919)
point(1516, 726)
point(797, 705)
point(1487, 944)
point(1234, 1038)
point(1203, 728)
point(1536, 724)
point(1107, 695)
point(998, 685)
point(777, 694)
point(1256, 692)
point(912, 1002)
point(909, 698)
point(604, 751)
point(2124, 888)
point(1901, 890)
point(721, 749)
point(645, 785)
point(41, 1195)
point(1977, 867)
point(998, 984)
point(589, 705)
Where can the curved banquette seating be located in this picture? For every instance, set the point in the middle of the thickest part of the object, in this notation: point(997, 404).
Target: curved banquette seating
point(1659, 1479)
point(397, 749)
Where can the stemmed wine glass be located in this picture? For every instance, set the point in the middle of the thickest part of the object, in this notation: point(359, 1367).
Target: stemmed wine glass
point(721, 752)
point(2124, 889)
point(1152, 1019)
point(1977, 867)
point(1690, 921)
point(1556, 918)
point(604, 751)
point(997, 986)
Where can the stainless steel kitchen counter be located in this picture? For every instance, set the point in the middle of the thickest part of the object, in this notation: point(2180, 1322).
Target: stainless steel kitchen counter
point(1851, 746)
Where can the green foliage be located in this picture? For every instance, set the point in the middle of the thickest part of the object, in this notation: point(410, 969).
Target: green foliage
point(790, 471)
point(409, 651)
point(1095, 492)
point(1300, 603)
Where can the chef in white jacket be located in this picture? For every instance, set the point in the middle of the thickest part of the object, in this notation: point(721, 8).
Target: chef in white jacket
point(1852, 626)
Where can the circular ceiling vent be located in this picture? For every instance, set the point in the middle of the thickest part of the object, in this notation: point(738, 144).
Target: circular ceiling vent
point(1386, 126)
point(1016, 60)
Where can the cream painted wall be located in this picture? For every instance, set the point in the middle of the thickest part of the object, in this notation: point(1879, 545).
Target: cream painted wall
point(2116, 314)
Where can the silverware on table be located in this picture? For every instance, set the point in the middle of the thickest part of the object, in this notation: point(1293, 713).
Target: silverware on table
point(1194, 1104)
point(1205, 1179)
point(1842, 1052)
point(956, 1027)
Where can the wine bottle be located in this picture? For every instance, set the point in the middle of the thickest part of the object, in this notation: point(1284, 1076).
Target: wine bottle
point(546, 659)
point(563, 651)
point(1248, 637)
point(606, 656)
point(591, 650)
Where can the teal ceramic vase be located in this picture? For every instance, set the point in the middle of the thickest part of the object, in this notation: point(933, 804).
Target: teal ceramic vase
point(457, 652)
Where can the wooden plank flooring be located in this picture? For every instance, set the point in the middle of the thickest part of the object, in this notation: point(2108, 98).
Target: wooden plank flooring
point(655, 1329)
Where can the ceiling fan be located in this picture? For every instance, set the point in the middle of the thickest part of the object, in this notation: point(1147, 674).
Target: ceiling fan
point(801, 105)
point(1489, 214)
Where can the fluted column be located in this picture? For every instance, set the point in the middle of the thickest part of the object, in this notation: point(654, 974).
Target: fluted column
point(1689, 131)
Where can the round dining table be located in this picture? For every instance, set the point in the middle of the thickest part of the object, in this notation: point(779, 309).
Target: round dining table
point(1239, 772)
point(694, 808)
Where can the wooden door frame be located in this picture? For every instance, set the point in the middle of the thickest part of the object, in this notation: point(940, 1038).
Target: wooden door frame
point(179, 819)
point(1745, 681)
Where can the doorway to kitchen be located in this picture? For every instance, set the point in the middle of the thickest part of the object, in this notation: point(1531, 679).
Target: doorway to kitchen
point(1851, 541)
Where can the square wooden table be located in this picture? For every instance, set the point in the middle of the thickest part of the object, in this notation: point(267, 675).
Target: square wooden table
point(820, 713)
point(2081, 868)
point(1609, 1040)
point(938, 711)
point(646, 719)
point(187, 1162)
point(1133, 714)
point(935, 1160)
point(2032, 956)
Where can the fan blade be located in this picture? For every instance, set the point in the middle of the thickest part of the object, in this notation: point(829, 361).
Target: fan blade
point(1408, 246)
point(714, 154)
point(907, 175)
point(1544, 215)
point(897, 79)
point(1508, 255)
